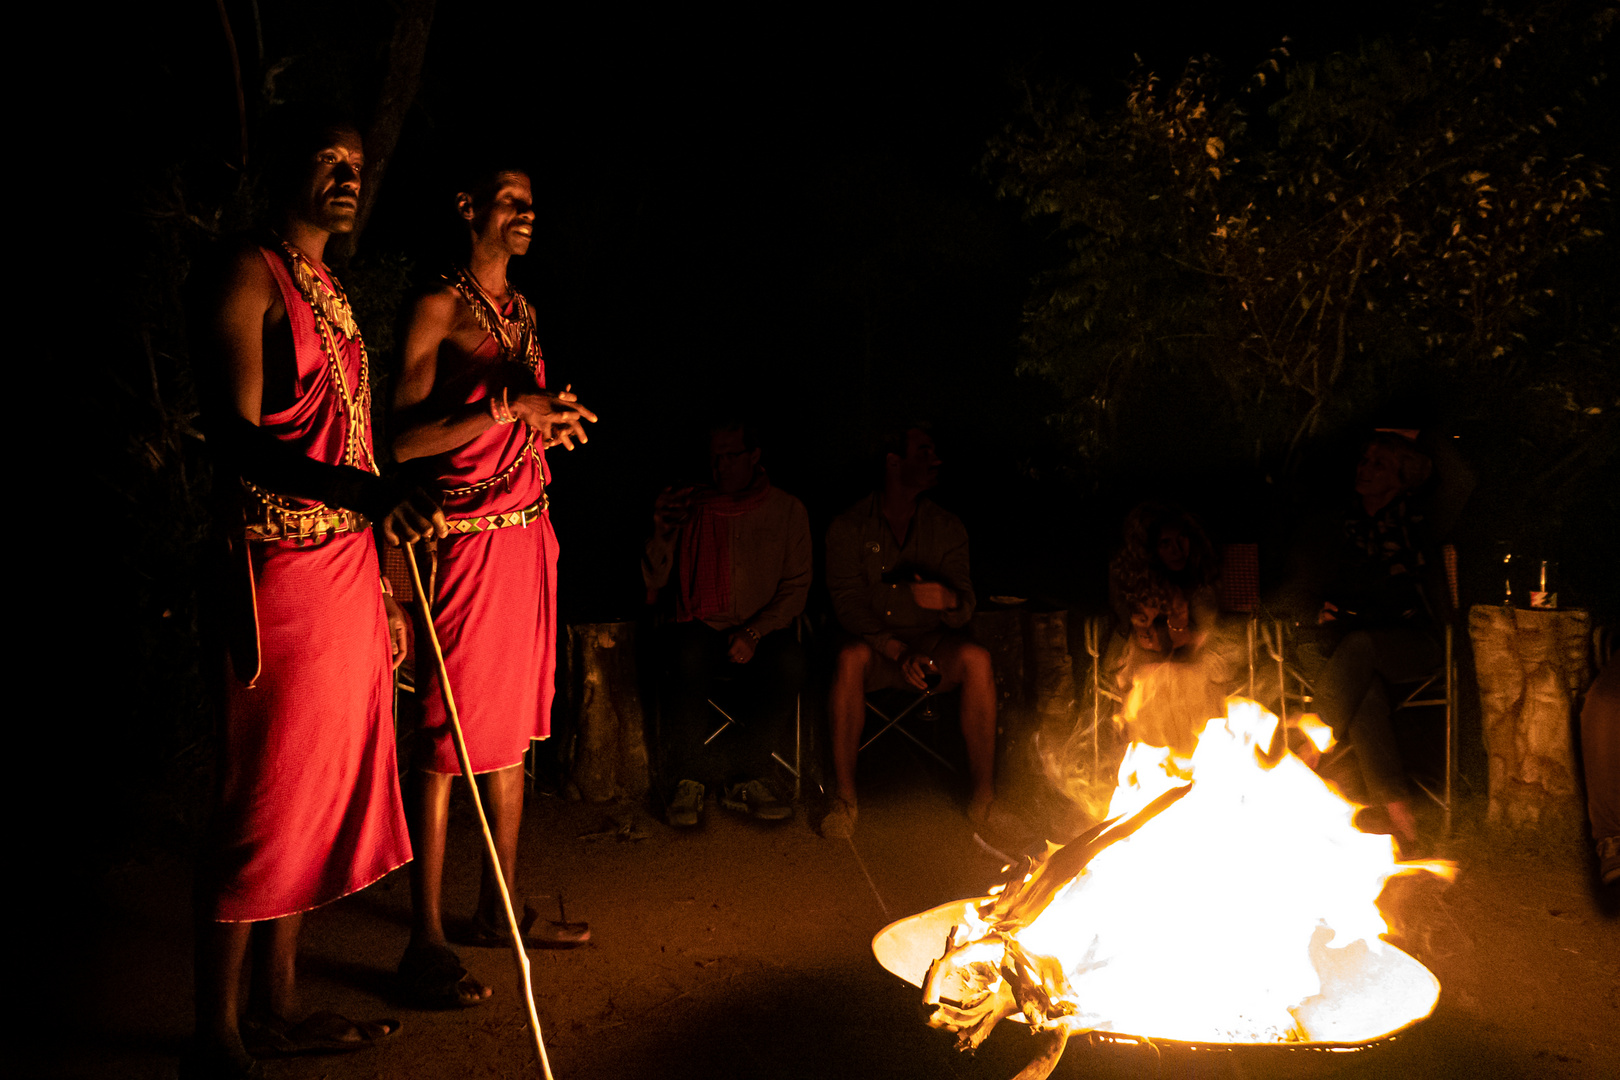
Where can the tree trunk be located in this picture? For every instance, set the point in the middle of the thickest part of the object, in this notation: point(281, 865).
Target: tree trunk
point(610, 759)
point(407, 50)
point(1531, 665)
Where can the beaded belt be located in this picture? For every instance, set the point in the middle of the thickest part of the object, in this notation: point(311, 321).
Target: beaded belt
point(305, 527)
point(501, 521)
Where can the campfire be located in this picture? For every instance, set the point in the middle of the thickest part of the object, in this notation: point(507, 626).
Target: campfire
point(1226, 900)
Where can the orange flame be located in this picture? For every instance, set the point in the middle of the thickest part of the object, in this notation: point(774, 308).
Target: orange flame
point(1218, 920)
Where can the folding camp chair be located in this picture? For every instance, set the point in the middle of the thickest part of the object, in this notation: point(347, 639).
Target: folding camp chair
point(796, 766)
point(893, 723)
point(1239, 593)
point(1419, 693)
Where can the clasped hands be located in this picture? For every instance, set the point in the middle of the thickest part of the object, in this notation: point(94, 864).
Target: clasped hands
point(557, 416)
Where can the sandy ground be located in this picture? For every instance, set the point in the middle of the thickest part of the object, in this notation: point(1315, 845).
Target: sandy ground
point(743, 950)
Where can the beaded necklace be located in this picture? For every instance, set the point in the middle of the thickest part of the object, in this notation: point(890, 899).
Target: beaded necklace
point(516, 334)
point(517, 340)
point(334, 319)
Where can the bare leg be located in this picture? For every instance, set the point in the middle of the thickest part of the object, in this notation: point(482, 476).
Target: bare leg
point(221, 952)
point(428, 824)
point(428, 821)
point(966, 665)
point(1402, 820)
point(503, 800)
point(274, 988)
point(847, 710)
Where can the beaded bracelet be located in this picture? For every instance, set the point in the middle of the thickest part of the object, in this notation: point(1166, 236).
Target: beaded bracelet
point(500, 410)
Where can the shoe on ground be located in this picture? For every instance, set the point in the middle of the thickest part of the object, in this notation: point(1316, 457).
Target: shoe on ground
point(839, 824)
point(755, 799)
point(541, 933)
point(686, 808)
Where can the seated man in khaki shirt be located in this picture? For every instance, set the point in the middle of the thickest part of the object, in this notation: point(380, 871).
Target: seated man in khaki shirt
point(740, 554)
point(897, 568)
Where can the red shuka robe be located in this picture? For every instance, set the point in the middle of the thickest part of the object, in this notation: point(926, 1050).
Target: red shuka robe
point(310, 808)
point(494, 592)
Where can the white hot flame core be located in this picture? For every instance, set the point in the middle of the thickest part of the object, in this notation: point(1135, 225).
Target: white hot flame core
point(1199, 927)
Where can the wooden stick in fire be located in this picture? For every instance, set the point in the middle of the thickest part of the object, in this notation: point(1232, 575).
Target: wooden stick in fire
point(483, 819)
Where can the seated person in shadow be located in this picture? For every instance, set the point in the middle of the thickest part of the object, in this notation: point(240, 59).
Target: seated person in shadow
point(897, 569)
point(739, 551)
point(1162, 586)
point(1600, 758)
point(1376, 587)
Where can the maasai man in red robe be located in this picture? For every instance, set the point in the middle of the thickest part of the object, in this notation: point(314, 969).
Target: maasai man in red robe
point(309, 807)
point(473, 418)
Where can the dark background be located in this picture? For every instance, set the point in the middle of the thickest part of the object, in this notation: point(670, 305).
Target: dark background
point(787, 214)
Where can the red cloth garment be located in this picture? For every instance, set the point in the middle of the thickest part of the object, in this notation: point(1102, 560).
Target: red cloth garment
point(309, 798)
point(494, 591)
point(706, 548)
point(495, 610)
point(503, 469)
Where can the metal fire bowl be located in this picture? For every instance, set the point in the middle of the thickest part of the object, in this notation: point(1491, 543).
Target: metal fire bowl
point(1367, 1000)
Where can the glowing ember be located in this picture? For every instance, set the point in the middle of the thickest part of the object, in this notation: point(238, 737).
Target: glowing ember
point(1230, 900)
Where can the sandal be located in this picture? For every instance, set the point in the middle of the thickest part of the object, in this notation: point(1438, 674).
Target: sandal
point(431, 977)
point(537, 933)
point(541, 933)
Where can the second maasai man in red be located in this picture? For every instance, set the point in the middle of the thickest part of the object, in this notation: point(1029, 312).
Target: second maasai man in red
point(308, 802)
point(474, 419)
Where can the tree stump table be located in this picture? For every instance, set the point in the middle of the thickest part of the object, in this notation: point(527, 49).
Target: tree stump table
point(1531, 667)
point(610, 757)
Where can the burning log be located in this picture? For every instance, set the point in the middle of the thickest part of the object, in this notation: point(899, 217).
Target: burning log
point(1016, 908)
point(1025, 982)
point(1281, 946)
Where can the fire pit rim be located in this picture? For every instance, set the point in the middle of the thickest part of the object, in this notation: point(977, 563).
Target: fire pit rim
point(1120, 1040)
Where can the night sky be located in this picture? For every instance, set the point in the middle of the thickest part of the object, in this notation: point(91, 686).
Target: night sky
point(788, 216)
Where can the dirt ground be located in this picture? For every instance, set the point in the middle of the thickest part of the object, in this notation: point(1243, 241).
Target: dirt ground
point(743, 950)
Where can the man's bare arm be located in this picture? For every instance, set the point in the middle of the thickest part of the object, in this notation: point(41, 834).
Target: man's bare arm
point(422, 430)
point(427, 427)
point(248, 305)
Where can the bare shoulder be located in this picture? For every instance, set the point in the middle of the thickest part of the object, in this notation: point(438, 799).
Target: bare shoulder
point(242, 268)
point(232, 282)
point(436, 313)
point(440, 303)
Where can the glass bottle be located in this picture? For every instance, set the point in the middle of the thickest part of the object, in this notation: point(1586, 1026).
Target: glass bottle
point(1544, 590)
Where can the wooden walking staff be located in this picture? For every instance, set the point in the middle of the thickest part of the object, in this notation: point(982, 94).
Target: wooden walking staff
point(483, 820)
